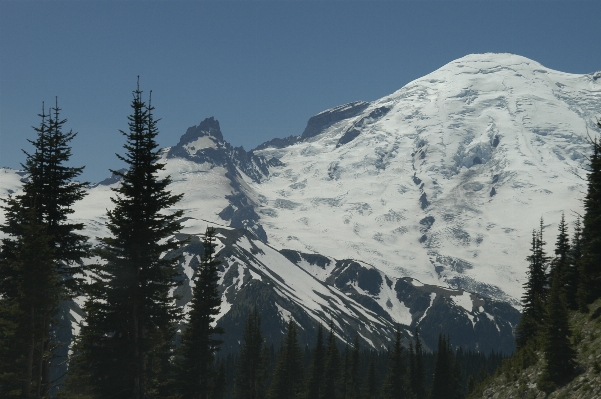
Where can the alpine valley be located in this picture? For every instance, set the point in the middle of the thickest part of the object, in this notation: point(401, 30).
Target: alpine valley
point(414, 210)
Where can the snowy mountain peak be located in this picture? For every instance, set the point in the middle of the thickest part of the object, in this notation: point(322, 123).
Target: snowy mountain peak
point(206, 135)
point(444, 179)
point(366, 215)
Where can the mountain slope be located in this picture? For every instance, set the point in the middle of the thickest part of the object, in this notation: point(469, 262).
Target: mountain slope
point(586, 384)
point(415, 209)
point(443, 179)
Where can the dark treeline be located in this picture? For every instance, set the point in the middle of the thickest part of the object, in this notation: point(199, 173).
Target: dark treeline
point(332, 369)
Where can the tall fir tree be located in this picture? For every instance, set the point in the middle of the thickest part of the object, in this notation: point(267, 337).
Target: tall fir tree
point(560, 356)
point(332, 368)
point(416, 370)
point(345, 378)
point(535, 291)
point(252, 364)
point(315, 377)
point(355, 378)
point(26, 358)
point(288, 375)
point(197, 374)
point(590, 264)
point(396, 384)
point(50, 191)
point(371, 381)
point(125, 347)
point(40, 213)
point(560, 265)
point(447, 374)
point(572, 276)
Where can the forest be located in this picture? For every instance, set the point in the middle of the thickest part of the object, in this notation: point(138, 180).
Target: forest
point(136, 343)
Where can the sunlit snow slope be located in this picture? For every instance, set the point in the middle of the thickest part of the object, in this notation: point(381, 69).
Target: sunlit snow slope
point(364, 216)
point(443, 179)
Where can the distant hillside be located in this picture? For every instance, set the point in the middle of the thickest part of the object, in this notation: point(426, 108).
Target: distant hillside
point(586, 383)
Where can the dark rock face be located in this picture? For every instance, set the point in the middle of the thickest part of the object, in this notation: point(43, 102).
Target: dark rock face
point(278, 143)
point(355, 130)
point(427, 222)
point(349, 272)
point(208, 127)
point(424, 201)
point(241, 214)
point(349, 136)
point(321, 121)
point(241, 211)
point(113, 179)
point(485, 325)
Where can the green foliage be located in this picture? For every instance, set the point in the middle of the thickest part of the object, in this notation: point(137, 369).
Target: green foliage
point(126, 345)
point(396, 384)
point(315, 379)
point(559, 354)
point(332, 367)
point(354, 385)
point(572, 276)
point(535, 291)
point(447, 373)
point(590, 264)
point(27, 317)
point(38, 256)
point(288, 375)
point(371, 381)
point(197, 377)
point(416, 368)
point(560, 265)
point(252, 365)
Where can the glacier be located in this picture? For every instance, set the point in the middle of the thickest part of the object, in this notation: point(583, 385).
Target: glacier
point(414, 210)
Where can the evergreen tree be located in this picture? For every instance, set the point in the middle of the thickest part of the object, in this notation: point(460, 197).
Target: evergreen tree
point(196, 374)
point(26, 357)
point(559, 266)
point(345, 379)
point(252, 365)
point(125, 346)
point(447, 372)
point(332, 367)
point(371, 381)
point(559, 354)
point(32, 286)
point(572, 273)
point(416, 370)
point(590, 265)
point(49, 192)
point(288, 375)
point(315, 378)
point(535, 291)
point(355, 378)
point(219, 386)
point(396, 384)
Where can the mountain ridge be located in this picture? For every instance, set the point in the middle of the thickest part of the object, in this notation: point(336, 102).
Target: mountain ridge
point(412, 210)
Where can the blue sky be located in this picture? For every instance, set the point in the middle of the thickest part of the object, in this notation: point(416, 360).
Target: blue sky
point(262, 68)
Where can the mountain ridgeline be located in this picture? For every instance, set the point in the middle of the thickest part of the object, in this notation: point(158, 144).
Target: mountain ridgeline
point(381, 219)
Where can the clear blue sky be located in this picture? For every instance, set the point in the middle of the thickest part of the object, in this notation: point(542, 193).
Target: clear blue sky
point(262, 68)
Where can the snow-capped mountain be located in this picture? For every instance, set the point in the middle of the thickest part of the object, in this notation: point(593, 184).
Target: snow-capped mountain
point(415, 209)
point(442, 180)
